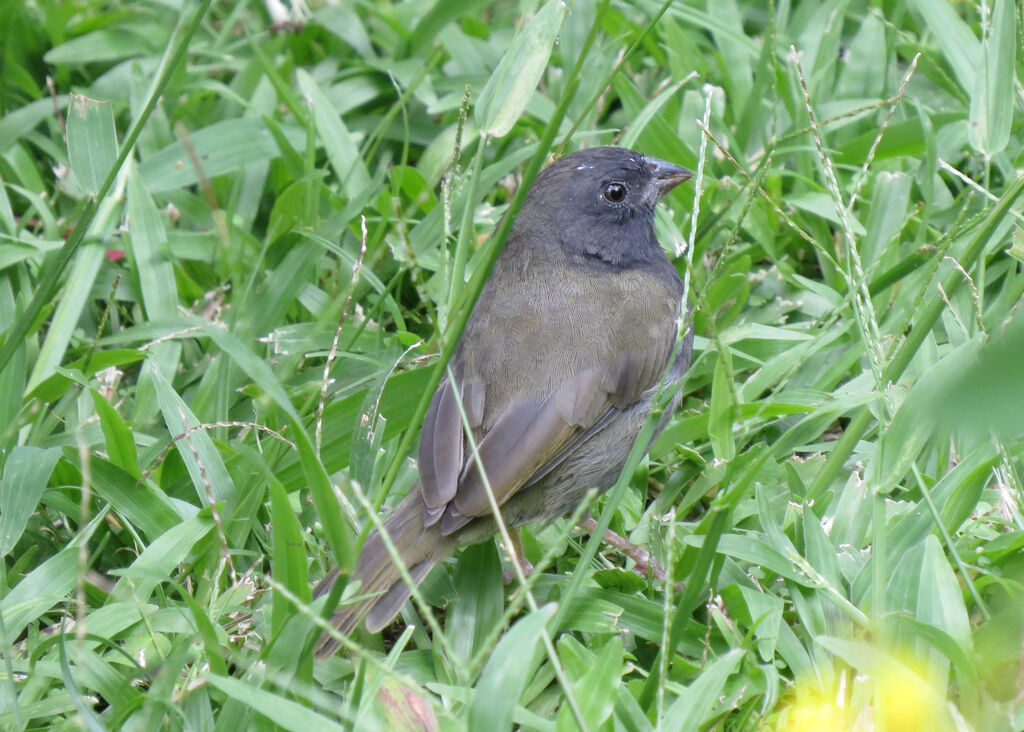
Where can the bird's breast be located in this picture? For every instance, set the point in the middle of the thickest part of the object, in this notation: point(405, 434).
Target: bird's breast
point(532, 332)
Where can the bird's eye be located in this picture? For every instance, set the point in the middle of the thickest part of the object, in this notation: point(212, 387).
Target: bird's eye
point(614, 192)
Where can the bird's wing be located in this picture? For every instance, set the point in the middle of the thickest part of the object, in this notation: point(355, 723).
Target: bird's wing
point(531, 432)
point(522, 438)
point(679, 367)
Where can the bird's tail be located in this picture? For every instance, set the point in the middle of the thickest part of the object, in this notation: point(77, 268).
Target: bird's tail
point(419, 546)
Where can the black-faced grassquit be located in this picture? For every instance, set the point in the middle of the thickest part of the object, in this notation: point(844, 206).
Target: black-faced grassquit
point(556, 371)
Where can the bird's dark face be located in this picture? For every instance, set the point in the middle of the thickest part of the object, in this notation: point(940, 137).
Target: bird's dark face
point(603, 199)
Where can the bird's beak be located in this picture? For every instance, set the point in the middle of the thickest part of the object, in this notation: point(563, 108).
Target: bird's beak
point(666, 175)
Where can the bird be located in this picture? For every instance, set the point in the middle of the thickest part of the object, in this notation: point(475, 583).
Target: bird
point(555, 373)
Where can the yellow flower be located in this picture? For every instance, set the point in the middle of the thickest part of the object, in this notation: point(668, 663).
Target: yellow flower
point(813, 710)
point(815, 717)
point(895, 697)
point(907, 702)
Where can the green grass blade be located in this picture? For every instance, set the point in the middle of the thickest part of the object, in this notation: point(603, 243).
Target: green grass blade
point(507, 671)
point(25, 475)
point(992, 96)
point(92, 141)
point(510, 87)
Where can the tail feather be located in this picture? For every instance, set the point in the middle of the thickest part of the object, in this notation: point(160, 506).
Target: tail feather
point(387, 606)
point(419, 546)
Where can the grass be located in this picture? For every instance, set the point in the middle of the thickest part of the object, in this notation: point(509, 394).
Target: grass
point(235, 250)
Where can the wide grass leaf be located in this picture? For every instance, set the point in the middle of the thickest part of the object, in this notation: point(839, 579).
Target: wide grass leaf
point(105, 44)
point(980, 391)
point(512, 84)
point(940, 599)
point(506, 673)
point(722, 409)
point(691, 708)
point(283, 712)
point(147, 508)
point(25, 476)
point(45, 586)
point(117, 436)
point(598, 679)
point(992, 96)
point(209, 476)
point(288, 555)
point(69, 310)
point(338, 141)
point(479, 598)
point(954, 38)
point(156, 563)
point(150, 253)
point(16, 123)
point(223, 147)
point(92, 141)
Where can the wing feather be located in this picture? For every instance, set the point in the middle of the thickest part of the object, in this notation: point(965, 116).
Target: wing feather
point(531, 434)
point(440, 453)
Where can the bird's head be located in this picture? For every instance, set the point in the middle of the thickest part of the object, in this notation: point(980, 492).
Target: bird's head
point(601, 202)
